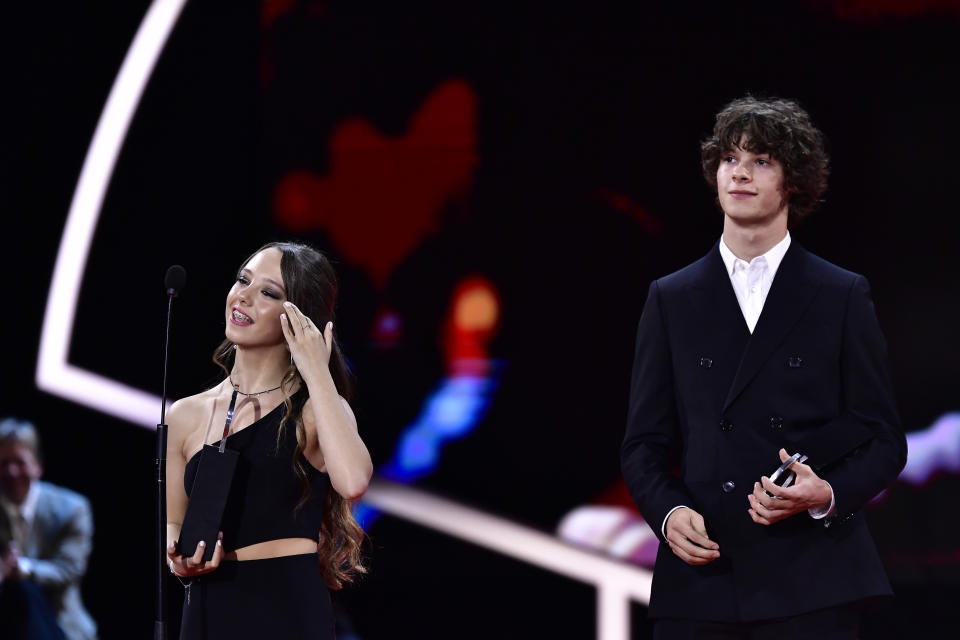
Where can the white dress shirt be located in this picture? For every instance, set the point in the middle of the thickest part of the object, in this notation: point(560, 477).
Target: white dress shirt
point(21, 517)
point(751, 282)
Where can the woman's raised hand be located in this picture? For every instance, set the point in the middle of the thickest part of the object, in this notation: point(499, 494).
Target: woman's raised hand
point(309, 347)
point(188, 566)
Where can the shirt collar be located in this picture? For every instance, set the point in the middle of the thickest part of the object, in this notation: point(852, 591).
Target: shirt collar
point(773, 257)
point(29, 506)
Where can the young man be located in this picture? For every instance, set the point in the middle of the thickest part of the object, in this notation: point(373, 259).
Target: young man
point(757, 351)
point(51, 531)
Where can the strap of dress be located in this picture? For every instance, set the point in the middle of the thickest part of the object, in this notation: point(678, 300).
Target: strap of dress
point(226, 424)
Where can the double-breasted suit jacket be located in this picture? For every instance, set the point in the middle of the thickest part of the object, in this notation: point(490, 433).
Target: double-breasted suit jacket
point(712, 401)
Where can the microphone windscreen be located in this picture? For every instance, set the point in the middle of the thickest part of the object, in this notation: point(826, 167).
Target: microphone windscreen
point(175, 279)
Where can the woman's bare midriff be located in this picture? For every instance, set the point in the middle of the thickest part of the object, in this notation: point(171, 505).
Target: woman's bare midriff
point(273, 549)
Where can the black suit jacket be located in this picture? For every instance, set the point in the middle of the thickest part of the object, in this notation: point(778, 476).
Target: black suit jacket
point(718, 403)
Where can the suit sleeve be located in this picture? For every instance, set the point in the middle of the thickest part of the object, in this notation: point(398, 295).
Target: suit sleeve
point(652, 427)
point(68, 563)
point(868, 407)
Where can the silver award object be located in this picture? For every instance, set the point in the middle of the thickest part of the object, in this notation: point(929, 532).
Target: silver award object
point(785, 472)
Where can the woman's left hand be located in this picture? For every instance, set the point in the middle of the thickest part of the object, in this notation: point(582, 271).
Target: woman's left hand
point(309, 347)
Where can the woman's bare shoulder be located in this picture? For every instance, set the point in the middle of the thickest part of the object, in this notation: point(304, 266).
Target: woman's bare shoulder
point(186, 413)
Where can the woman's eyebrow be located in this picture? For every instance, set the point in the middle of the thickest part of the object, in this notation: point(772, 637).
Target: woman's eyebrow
point(275, 283)
point(270, 280)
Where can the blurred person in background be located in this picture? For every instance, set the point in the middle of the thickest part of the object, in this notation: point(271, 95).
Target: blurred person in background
point(46, 536)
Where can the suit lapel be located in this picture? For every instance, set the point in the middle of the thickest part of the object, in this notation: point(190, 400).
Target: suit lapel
point(790, 295)
point(715, 299)
point(41, 516)
point(723, 332)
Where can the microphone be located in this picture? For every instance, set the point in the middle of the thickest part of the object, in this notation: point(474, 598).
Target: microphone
point(175, 279)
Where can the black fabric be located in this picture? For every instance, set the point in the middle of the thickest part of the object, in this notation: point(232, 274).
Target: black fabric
point(203, 521)
point(256, 599)
point(814, 370)
point(262, 504)
point(26, 613)
point(833, 623)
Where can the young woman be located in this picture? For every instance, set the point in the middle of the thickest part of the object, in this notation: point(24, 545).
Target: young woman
point(287, 530)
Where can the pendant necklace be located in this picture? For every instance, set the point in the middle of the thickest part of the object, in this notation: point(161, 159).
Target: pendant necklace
point(233, 404)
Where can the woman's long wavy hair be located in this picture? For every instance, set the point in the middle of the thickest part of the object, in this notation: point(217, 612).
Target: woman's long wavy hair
point(311, 284)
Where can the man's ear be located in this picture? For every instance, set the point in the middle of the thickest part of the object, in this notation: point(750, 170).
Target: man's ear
point(785, 194)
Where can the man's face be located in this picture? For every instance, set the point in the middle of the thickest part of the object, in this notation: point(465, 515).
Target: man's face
point(750, 187)
point(18, 469)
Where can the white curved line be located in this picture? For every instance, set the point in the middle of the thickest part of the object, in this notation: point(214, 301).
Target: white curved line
point(617, 583)
point(54, 373)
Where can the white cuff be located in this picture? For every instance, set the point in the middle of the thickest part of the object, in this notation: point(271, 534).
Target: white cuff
point(25, 567)
point(819, 513)
point(663, 527)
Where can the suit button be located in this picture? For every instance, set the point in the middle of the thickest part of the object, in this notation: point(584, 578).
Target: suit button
point(776, 422)
point(706, 363)
point(725, 425)
point(729, 486)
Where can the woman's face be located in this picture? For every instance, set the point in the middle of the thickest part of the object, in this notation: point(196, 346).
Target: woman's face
point(255, 302)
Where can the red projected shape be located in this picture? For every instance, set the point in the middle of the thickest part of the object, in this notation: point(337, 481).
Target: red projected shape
point(872, 10)
point(471, 324)
point(382, 194)
point(624, 204)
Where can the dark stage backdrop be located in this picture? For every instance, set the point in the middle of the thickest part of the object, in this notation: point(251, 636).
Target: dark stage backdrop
point(498, 184)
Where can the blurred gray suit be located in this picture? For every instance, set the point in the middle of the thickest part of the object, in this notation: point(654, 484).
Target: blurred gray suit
point(57, 546)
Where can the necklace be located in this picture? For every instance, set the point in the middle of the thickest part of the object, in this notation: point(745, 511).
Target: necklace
point(233, 404)
point(254, 394)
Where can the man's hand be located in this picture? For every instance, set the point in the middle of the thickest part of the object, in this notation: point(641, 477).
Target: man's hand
point(808, 491)
point(687, 537)
point(10, 564)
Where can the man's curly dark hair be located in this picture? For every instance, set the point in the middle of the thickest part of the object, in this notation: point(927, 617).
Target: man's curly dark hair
point(782, 129)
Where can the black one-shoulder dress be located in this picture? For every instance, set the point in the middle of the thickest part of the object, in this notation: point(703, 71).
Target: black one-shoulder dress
point(282, 597)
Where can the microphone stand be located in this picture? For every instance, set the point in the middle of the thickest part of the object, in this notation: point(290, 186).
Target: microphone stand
point(160, 623)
